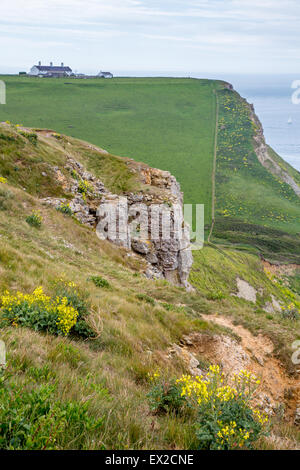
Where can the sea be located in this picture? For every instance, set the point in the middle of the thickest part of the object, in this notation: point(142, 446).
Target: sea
point(271, 96)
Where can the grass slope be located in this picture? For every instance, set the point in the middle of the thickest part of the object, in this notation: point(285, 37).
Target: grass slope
point(105, 380)
point(167, 123)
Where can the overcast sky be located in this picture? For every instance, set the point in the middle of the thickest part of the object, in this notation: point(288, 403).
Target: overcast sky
point(184, 36)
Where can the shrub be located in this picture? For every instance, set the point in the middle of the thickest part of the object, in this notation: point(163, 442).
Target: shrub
point(165, 395)
point(35, 219)
point(100, 281)
point(226, 419)
point(39, 312)
point(3, 180)
point(65, 209)
point(221, 415)
point(32, 420)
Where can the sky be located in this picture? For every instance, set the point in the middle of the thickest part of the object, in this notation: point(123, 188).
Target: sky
point(187, 37)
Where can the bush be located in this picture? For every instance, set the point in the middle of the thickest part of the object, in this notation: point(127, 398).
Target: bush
point(221, 415)
point(226, 419)
point(35, 219)
point(100, 281)
point(38, 311)
point(32, 420)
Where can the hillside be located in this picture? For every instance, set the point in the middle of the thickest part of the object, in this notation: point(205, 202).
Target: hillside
point(257, 193)
point(89, 389)
point(171, 124)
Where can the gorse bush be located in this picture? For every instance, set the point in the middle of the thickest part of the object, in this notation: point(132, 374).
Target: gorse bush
point(224, 416)
point(32, 420)
point(39, 311)
point(3, 180)
point(35, 219)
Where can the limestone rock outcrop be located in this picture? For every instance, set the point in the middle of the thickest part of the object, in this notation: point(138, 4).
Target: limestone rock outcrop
point(158, 203)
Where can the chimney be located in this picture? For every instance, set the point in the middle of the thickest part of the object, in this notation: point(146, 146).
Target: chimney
point(62, 64)
point(51, 64)
point(40, 63)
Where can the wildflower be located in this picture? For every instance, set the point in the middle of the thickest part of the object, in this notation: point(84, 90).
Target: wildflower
point(27, 308)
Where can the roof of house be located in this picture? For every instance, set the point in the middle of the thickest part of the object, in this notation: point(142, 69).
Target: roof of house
point(49, 68)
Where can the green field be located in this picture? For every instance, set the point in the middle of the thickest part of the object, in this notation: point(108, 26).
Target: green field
point(167, 123)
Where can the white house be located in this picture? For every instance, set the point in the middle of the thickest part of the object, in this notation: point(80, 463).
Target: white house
point(105, 75)
point(50, 71)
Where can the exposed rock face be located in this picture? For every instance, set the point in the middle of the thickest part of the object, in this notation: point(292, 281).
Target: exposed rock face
point(245, 291)
point(169, 257)
point(160, 200)
point(274, 306)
